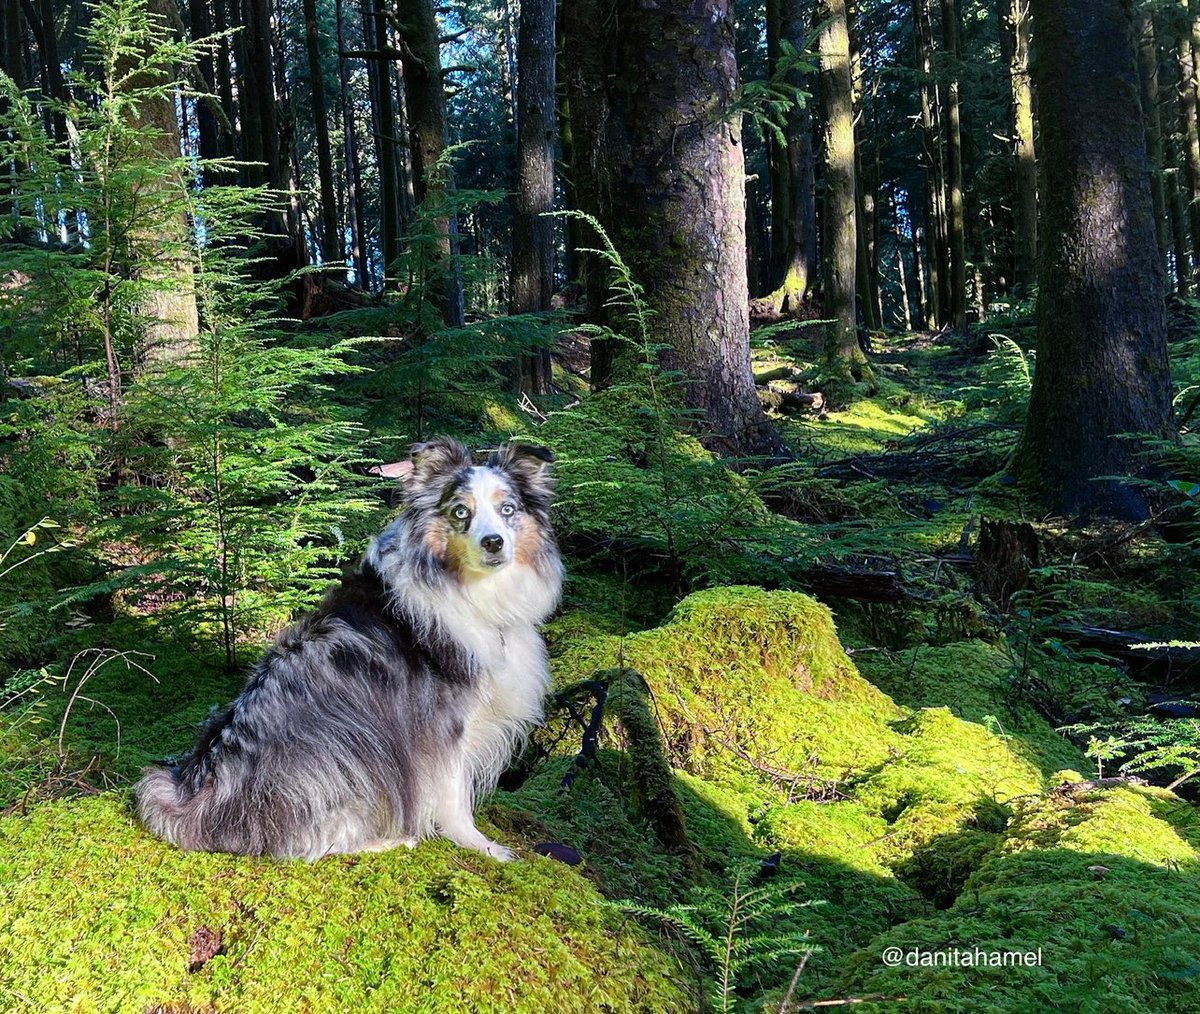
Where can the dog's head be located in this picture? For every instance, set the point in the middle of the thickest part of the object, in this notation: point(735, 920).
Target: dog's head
point(478, 519)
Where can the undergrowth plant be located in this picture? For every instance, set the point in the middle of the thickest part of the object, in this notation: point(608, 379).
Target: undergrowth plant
point(218, 477)
point(742, 932)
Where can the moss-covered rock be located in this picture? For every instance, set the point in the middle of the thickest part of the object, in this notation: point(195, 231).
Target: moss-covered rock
point(1103, 888)
point(95, 915)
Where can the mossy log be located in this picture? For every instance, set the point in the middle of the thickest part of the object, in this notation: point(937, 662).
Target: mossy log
point(630, 703)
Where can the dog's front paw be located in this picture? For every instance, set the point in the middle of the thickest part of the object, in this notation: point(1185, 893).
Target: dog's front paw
point(499, 852)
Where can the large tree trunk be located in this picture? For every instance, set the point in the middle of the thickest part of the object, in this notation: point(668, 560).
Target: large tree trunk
point(954, 182)
point(331, 234)
point(163, 247)
point(1102, 366)
point(678, 204)
point(842, 353)
point(426, 101)
point(533, 231)
point(1015, 23)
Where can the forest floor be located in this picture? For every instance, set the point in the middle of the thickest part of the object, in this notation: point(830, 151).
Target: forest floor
point(830, 765)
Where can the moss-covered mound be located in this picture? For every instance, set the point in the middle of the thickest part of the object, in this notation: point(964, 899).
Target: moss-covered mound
point(1102, 888)
point(97, 916)
point(750, 683)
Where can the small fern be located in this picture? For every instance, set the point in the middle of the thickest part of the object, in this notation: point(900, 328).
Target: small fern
point(735, 932)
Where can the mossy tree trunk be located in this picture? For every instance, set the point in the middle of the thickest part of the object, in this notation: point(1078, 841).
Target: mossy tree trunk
point(866, 283)
point(677, 204)
point(1015, 26)
point(533, 231)
point(844, 357)
point(1102, 367)
point(425, 97)
point(386, 130)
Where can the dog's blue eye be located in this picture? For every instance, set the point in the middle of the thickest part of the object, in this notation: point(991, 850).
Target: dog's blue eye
point(508, 509)
point(460, 513)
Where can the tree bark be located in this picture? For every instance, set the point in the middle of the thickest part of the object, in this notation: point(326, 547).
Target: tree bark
point(533, 230)
point(1102, 367)
point(426, 101)
point(956, 219)
point(331, 233)
point(844, 357)
point(677, 209)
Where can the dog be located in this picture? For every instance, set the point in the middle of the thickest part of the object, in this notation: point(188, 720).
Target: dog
point(386, 715)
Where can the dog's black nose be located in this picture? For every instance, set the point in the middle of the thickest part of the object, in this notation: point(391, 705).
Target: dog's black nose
point(492, 543)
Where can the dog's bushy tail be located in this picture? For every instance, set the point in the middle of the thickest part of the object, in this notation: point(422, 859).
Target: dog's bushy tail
point(170, 809)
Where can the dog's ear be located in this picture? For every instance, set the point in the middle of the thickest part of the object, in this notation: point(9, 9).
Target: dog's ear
point(440, 456)
point(529, 466)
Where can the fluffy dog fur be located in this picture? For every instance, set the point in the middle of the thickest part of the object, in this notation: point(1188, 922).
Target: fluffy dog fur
point(385, 715)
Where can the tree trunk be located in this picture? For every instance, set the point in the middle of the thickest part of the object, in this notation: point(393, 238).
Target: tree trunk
point(533, 230)
point(794, 203)
point(935, 206)
point(842, 353)
point(1015, 23)
point(1152, 120)
point(587, 36)
point(164, 246)
point(331, 234)
point(866, 284)
point(954, 184)
point(383, 122)
point(1179, 233)
point(678, 204)
point(1191, 135)
point(426, 102)
point(1102, 367)
point(905, 288)
point(354, 202)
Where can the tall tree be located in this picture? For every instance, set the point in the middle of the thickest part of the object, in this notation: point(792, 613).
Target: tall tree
point(1152, 119)
point(1015, 25)
point(1102, 367)
point(533, 231)
point(954, 176)
point(331, 235)
point(935, 189)
point(425, 98)
point(677, 207)
point(1190, 127)
point(793, 190)
point(839, 225)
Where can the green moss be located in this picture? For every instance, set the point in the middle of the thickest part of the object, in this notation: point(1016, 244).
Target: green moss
point(96, 915)
point(1105, 888)
point(976, 680)
point(744, 678)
